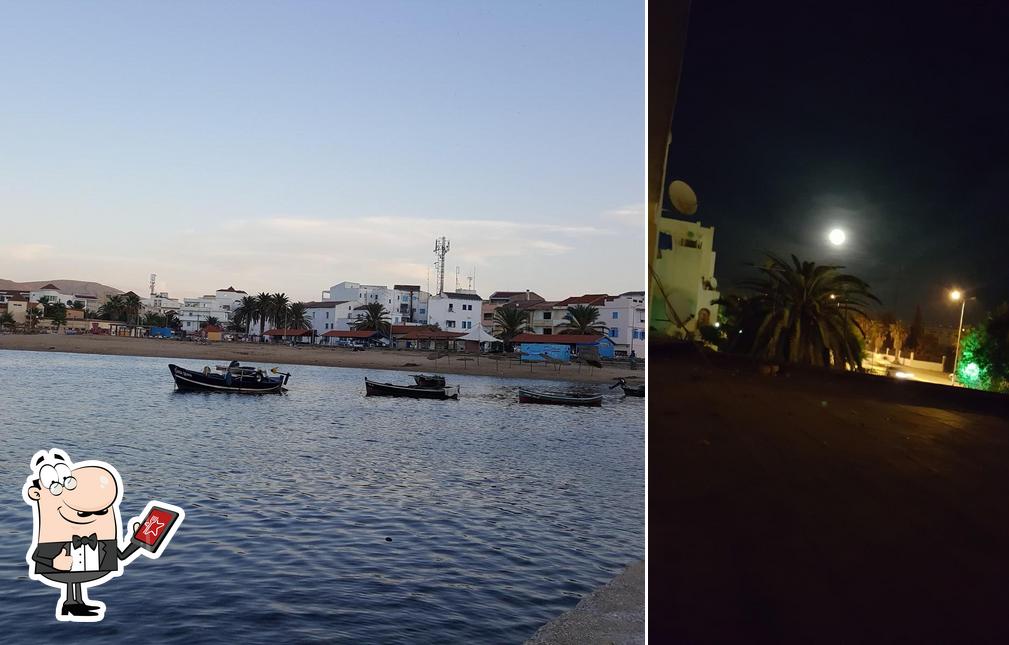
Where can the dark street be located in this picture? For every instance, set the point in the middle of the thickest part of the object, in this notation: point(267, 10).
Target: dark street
point(794, 508)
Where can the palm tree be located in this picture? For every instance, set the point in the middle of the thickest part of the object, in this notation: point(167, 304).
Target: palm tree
point(152, 319)
point(245, 312)
point(113, 308)
point(582, 319)
point(375, 317)
point(132, 307)
point(809, 313)
point(299, 316)
point(172, 320)
point(263, 304)
point(509, 322)
point(76, 304)
point(211, 321)
point(280, 311)
point(33, 316)
point(7, 320)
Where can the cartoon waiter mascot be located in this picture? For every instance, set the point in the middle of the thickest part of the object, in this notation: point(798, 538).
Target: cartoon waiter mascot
point(77, 541)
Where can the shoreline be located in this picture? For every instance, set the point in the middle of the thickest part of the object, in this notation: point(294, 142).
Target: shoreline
point(376, 359)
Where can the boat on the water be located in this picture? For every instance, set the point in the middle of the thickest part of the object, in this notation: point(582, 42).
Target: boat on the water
point(231, 378)
point(374, 388)
point(557, 398)
point(429, 380)
point(629, 390)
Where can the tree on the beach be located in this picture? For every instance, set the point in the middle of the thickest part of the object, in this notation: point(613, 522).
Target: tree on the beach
point(132, 307)
point(7, 320)
point(375, 318)
point(153, 319)
point(113, 308)
point(299, 318)
point(280, 309)
point(211, 321)
point(582, 319)
point(245, 312)
point(263, 303)
point(509, 322)
point(809, 313)
point(33, 316)
point(57, 313)
point(172, 320)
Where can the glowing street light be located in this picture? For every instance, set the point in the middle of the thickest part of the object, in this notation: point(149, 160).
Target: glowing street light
point(836, 237)
point(957, 295)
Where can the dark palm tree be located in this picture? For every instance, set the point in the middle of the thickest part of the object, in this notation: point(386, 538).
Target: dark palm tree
point(245, 313)
point(152, 319)
point(7, 320)
point(263, 304)
point(582, 319)
point(114, 308)
point(132, 307)
point(172, 320)
point(299, 318)
point(375, 317)
point(33, 317)
point(809, 313)
point(211, 321)
point(509, 322)
point(280, 310)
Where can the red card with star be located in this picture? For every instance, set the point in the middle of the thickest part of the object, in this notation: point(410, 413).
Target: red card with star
point(154, 528)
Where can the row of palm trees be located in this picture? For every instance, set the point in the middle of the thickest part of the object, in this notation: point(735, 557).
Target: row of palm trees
point(122, 306)
point(275, 308)
point(510, 321)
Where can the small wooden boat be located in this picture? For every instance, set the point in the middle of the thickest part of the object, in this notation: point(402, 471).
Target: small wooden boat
point(629, 390)
point(429, 380)
point(555, 398)
point(373, 388)
point(231, 378)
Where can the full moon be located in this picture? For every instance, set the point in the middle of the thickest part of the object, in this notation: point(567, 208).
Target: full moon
point(836, 237)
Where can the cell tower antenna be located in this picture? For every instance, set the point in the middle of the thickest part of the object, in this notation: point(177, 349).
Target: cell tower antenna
point(441, 246)
point(457, 277)
point(154, 279)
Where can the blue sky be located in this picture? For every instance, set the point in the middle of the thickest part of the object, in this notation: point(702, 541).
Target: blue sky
point(287, 146)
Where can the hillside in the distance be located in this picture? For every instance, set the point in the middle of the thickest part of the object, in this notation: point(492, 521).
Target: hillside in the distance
point(65, 286)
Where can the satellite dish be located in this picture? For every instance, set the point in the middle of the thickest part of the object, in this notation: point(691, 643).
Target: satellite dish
point(682, 197)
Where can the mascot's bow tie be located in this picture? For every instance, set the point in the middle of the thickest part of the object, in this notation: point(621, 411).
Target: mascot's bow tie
point(91, 540)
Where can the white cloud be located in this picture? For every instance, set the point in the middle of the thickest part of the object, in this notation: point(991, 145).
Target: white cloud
point(632, 215)
point(26, 252)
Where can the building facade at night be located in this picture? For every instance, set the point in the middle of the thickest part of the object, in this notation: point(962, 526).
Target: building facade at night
point(684, 267)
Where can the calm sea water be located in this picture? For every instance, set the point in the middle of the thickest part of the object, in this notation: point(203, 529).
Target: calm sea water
point(500, 516)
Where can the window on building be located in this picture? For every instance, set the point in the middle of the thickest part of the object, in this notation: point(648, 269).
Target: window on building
point(488, 316)
point(547, 315)
point(327, 314)
point(450, 307)
point(422, 311)
point(450, 324)
point(665, 241)
point(548, 331)
point(615, 315)
point(614, 332)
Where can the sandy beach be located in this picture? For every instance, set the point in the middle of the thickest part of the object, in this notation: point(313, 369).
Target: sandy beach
point(379, 359)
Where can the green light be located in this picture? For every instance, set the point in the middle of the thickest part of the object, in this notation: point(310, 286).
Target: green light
point(972, 371)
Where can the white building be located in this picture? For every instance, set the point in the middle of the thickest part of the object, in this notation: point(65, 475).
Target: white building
point(624, 316)
point(218, 305)
point(685, 268)
point(397, 300)
point(455, 310)
point(327, 315)
point(160, 303)
point(53, 293)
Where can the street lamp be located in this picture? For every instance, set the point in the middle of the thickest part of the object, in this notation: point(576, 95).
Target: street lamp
point(957, 295)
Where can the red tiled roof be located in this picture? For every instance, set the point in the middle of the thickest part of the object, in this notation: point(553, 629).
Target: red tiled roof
point(50, 287)
point(210, 328)
point(587, 299)
point(402, 329)
point(558, 339)
point(352, 333)
point(431, 334)
point(287, 331)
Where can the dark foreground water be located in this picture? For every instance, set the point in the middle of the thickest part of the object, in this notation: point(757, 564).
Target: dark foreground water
point(500, 516)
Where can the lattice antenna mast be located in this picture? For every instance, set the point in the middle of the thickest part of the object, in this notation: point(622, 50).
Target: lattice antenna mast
point(441, 246)
point(154, 279)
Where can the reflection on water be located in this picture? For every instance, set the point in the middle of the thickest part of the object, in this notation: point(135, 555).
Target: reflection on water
point(325, 515)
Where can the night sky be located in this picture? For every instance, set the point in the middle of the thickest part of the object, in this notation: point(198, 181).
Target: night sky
point(893, 125)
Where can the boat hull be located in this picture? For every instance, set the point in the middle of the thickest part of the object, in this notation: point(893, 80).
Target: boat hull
point(191, 381)
point(549, 398)
point(373, 388)
point(634, 390)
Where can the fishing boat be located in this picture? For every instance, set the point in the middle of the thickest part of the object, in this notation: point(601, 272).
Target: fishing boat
point(230, 378)
point(373, 388)
point(556, 398)
point(429, 380)
point(629, 390)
